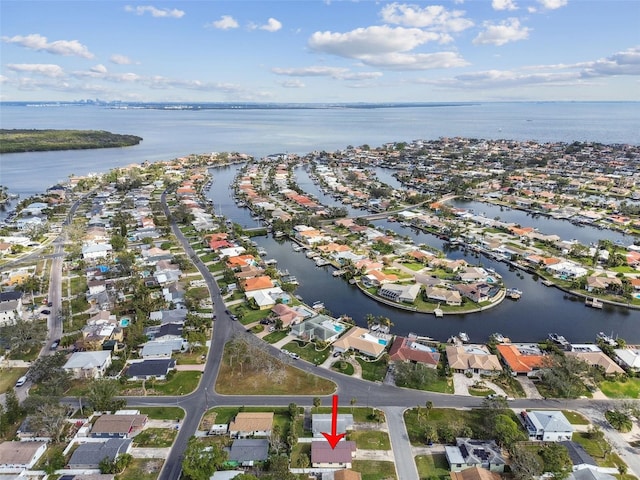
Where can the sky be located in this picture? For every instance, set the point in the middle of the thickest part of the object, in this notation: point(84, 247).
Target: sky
point(321, 51)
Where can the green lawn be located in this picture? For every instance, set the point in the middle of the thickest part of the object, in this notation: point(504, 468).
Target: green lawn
point(375, 469)
point(575, 418)
point(180, 383)
point(308, 352)
point(373, 371)
point(370, 440)
point(155, 438)
point(360, 414)
point(249, 316)
point(432, 466)
point(275, 337)
point(628, 389)
point(597, 449)
point(9, 378)
point(476, 392)
point(162, 413)
point(343, 367)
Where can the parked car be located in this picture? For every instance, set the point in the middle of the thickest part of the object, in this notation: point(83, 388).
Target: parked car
point(55, 344)
point(45, 312)
point(21, 381)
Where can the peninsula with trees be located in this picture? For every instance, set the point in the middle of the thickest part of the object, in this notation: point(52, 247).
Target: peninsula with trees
point(31, 140)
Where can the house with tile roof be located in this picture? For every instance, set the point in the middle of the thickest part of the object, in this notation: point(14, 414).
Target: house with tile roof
point(599, 359)
point(407, 349)
point(472, 358)
point(362, 340)
point(521, 360)
point(257, 283)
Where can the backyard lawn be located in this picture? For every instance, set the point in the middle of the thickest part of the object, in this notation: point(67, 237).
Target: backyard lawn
point(373, 371)
point(432, 466)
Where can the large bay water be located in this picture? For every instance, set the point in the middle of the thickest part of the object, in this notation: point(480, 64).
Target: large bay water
point(169, 134)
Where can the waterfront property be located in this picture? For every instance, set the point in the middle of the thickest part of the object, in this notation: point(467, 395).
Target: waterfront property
point(472, 359)
point(363, 341)
point(320, 327)
point(521, 359)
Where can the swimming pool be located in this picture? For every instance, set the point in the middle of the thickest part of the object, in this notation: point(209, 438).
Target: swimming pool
point(124, 322)
point(382, 341)
point(338, 328)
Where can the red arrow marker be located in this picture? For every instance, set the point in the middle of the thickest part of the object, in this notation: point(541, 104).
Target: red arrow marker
point(334, 437)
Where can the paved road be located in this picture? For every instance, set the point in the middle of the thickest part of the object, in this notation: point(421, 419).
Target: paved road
point(405, 464)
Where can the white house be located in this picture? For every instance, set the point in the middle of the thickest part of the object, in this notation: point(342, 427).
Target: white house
point(628, 358)
point(97, 250)
point(16, 457)
point(547, 425)
point(88, 364)
point(567, 269)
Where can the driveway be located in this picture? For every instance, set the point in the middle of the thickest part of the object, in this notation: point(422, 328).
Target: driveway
point(461, 384)
point(529, 388)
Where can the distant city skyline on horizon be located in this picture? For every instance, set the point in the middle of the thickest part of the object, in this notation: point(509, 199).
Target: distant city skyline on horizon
point(320, 52)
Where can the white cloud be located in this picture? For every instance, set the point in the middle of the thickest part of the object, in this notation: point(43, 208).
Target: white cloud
point(99, 69)
point(272, 25)
point(45, 69)
point(155, 12)
point(552, 4)
point(418, 61)
point(371, 41)
point(120, 59)
point(294, 83)
point(337, 73)
point(507, 31)
point(621, 63)
point(435, 17)
point(36, 41)
point(226, 22)
point(504, 5)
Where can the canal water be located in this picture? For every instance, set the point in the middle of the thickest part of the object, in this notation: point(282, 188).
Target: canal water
point(541, 309)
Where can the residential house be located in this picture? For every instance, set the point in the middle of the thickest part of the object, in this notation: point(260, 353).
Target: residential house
point(603, 284)
point(469, 453)
point(287, 315)
point(628, 358)
point(400, 293)
point(118, 425)
point(476, 292)
point(177, 315)
point(159, 349)
point(96, 250)
point(322, 422)
point(26, 432)
point(320, 327)
point(578, 455)
point(473, 359)
point(89, 455)
point(361, 340)
point(88, 364)
point(10, 307)
point(599, 359)
point(590, 473)
point(257, 283)
point(251, 424)
point(323, 456)
point(474, 473)
point(247, 451)
point(547, 425)
point(15, 457)
point(437, 294)
point(408, 349)
point(164, 332)
point(157, 369)
point(521, 359)
point(568, 270)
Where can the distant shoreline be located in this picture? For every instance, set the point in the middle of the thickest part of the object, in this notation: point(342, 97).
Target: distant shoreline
point(32, 140)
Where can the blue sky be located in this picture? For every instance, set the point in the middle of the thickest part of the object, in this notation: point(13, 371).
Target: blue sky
point(320, 51)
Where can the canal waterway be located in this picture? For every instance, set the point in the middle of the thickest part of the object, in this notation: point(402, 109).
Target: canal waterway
point(541, 309)
point(566, 230)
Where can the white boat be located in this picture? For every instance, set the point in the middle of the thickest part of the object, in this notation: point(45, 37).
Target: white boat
point(559, 339)
point(318, 305)
point(463, 337)
point(513, 293)
point(606, 339)
point(498, 337)
point(298, 248)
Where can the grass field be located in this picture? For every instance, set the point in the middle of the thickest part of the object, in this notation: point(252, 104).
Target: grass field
point(308, 352)
point(375, 469)
point(432, 466)
point(162, 413)
point(155, 438)
point(628, 389)
point(373, 371)
point(370, 440)
point(9, 377)
point(274, 337)
point(575, 418)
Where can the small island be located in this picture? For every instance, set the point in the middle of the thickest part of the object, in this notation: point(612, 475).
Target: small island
point(31, 140)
